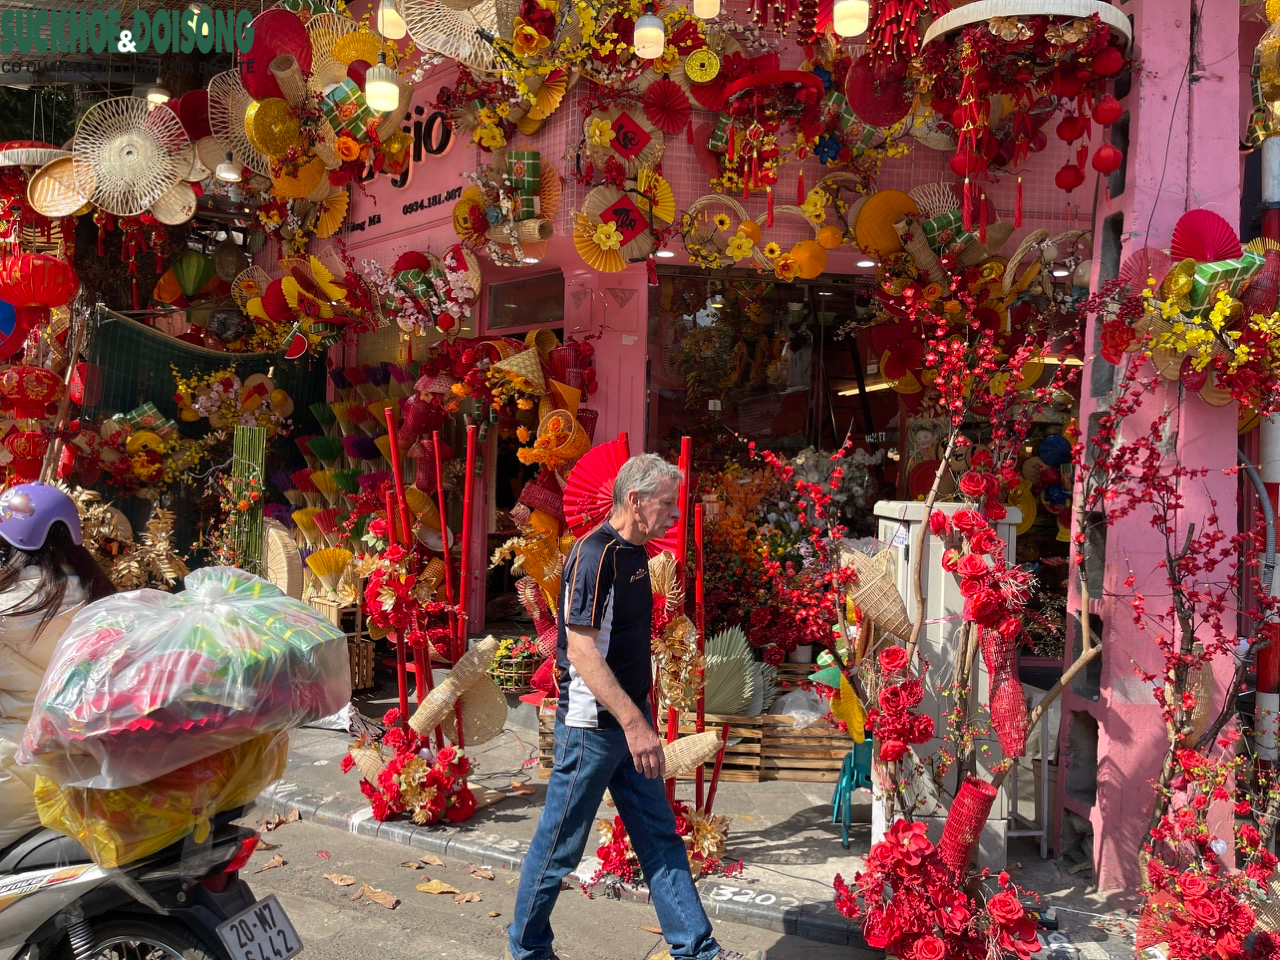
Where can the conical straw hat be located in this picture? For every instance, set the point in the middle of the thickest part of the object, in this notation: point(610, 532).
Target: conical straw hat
point(369, 762)
point(484, 713)
point(469, 669)
point(687, 754)
point(875, 593)
point(526, 364)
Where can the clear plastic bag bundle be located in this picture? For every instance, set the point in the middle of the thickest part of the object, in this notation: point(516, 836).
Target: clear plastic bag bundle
point(145, 683)
point(119, 826)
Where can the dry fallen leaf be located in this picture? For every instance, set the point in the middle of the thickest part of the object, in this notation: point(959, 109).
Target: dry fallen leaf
point(482, 873)
point(521, 789)
point(431, 860)
point(340, 879)
point(276, 861)
point(322, 854)
point(657, 930)
point(470, 897)
point(388, 900)
point(493, 913)
point(272, 823)
point(436, 886)
point(413, 864)
point(263, 845)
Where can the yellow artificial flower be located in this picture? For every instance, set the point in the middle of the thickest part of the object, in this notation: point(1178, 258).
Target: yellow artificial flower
point(522, 434)
point(669, 60)
point(740, 246)
point(608, 237)
point(503, 109)
point(347, 148)
point(933, 291)
point(599, 132)
point(721, 220)
point(490, 137)
point(526, 40)
point(772, 250)
point(815, 206)
point(786, 267)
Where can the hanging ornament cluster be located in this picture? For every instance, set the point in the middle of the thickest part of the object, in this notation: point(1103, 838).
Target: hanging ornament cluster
point(999, 81)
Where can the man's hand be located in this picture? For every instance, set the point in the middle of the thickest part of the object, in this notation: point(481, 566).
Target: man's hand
point(646, 749)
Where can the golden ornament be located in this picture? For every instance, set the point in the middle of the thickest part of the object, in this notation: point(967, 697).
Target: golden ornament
point(702, 66)
point(271, 126)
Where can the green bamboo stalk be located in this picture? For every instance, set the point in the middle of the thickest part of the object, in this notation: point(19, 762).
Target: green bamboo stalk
point(249, 460)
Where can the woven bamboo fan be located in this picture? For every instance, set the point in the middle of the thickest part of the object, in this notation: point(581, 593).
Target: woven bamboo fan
point(1029, 244)
point(282, 562)
point(325, 31)
point(369, 761)
point(636, 142)
point(197, 172)
point(875, 592)
point(982, 11)
point(229, 260)
point(606, 201)
point(687, 754)
point(228, 103)
point(249, 284)
point(453, 33)
point(467, 672)
point(176, 205)
point(484, 713)
point(934, 199)
point(704, 237)
point(54, 191)
point(998, 235)
point(29, 153)
point(127, 155)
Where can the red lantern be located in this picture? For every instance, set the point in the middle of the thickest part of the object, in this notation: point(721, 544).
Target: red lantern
point(37, 280)
point(86, 385)
point(1069, 177)
point(1108, 62)
point(965, 163)
point(1107, 159)
point(28, 449)
point(1107, 111)
point(28, 391)
point(1069, 129)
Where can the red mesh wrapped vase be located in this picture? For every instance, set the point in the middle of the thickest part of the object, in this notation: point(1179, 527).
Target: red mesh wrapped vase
point(588, 418)
point(1008, 705)
point(964, 824)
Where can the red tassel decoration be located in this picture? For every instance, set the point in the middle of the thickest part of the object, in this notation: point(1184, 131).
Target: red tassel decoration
point(982, 218)
point(967, 203)
point(800, 191)
point(729, 154)
point(769, 221)
point(1017, 205)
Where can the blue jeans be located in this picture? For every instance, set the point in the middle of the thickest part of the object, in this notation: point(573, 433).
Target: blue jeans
point(586, 762)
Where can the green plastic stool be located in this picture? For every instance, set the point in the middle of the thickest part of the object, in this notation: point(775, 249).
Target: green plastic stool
point(855, 772)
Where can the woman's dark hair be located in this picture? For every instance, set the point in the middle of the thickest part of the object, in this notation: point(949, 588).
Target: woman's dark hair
point(52, 560)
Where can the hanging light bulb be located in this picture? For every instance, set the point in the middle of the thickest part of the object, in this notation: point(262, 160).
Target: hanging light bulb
point(228, 170)
point(851, 17)
point(650, 38)
point(157, 94)
point(381, 90)
point(706, 9)
point(390, 24)
point(195, 9)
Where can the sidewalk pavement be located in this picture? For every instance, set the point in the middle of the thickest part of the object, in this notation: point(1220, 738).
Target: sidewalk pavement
point(781, 831)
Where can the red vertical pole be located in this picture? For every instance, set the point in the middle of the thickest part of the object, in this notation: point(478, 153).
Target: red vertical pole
point(715, 772)
point(700, 612)
point(402, 674)
point(626, 446)
point(686, 485)
point(464, 567)
point(444, 533)
point(398, 475)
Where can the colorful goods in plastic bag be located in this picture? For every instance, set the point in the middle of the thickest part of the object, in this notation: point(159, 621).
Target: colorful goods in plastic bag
point(146, 682)
point(119, 826)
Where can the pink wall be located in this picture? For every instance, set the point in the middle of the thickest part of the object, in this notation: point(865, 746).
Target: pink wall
point(1183, 154)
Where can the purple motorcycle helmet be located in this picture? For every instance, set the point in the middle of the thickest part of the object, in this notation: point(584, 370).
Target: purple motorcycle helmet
point(28, 512)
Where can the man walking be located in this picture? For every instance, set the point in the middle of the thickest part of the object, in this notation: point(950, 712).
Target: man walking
point(604, 736)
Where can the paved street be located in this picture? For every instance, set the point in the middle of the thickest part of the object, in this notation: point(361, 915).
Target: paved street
point(333, 927)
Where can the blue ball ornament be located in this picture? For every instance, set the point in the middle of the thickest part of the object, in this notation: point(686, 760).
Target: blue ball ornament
point(1055, 450)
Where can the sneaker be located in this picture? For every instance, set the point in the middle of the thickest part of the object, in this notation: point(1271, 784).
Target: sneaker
point(736, 955)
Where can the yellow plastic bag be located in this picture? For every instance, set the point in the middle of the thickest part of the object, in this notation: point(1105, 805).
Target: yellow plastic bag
point(119, 826)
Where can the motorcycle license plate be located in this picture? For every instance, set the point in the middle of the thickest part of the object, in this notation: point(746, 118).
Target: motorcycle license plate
point(263, 932)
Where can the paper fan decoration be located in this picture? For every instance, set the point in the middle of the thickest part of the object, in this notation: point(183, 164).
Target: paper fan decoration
point(331, 214)
point(1148, 263)
point(667, 106)
point(228, 103)
point(127, 154)
point(548, 97)
point(935, 199)
point(618, 218)
point(469, 220)
point(588, 492)
point(655, 197)
point(276, 33)
point(454, 33)
point(878, 92)
point(625, 135)
point(1205, 237)
point(874, 231)
point(250, 284)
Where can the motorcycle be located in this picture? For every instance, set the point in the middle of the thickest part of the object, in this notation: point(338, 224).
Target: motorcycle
point(186, 902)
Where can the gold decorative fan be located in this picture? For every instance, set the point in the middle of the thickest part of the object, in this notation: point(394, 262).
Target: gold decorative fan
point(229, 103)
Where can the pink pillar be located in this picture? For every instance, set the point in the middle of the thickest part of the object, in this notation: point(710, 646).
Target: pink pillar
point(1182, 154)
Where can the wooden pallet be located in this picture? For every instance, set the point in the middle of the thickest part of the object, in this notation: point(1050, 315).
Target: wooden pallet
point(360, 653)
point(791, 675)
point(812, 754)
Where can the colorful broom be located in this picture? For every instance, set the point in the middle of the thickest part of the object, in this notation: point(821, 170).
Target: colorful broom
point(324, 416)
point(384, 446)
point(327, 485)
point(328, 521)
point(306, 523)
point(372, 481)
point(374, 427)
point(282, 480)
point(330, 566)
point(359, 417)
point(400, 383)
point(302, 480)
point(342, 414)
point(361, 448)
point(326, 449)
point(338, 377)
point(347, 480)
point(301, 443)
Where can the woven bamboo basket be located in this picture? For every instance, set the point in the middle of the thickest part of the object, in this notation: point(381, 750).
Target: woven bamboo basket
point(703, 233)
point(981, 11)
point(1266, 909)
point(527, 365)
point(875, 593)
point(1201, 684)
point(573, 443)
point(369, 762)
point(917, 247)
point(484, 713)
point(289, 78)
point(512, 674)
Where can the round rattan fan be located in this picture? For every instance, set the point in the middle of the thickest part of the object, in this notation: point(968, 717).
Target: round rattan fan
point(934, 199)
point(326, 30)
point(281, 559)
point(176, 205)
point(127, 155)
point(453, 33)
point(228, 102)
point(250, 283)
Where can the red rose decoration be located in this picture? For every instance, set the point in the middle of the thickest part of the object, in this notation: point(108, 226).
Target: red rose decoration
point(968, 521)
point(985, 608)
point(972, 565)
point(950, 560)
point(893, 659)
point(973, 485)
point(928, 947)
point(1005, 909)
point(892, 750)
point(994, 509)
point(1193, 886)
point(1203, 912)
point(939, 523)
point(984, 541)
point(891, 700)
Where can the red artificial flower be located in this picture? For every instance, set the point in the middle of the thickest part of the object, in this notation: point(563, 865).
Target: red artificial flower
point(951, 560)
point(972, 565)
point(893, 659)
point(1005, 909)
point(939, 523)
point(461, 807)
point(892, 750)
point(984, 541)
point(952, 914)
point(985, 608)
point(968, 521)
point(929, 947)
point(973, 485)
point(1203, 912)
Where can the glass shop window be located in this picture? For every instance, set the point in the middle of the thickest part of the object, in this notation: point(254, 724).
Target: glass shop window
point(526, 304)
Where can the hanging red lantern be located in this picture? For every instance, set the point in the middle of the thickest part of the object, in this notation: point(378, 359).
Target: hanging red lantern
point(1108, 62)
point(1069, 177)
point(27, 448)
point(1069, 129)
point(965, 163)
point(37, 280)
point(1107, 159)
point(28, 391)
point(1107, 111)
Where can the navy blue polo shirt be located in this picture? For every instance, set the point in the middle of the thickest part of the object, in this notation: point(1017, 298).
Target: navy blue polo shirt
point(606, 587)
